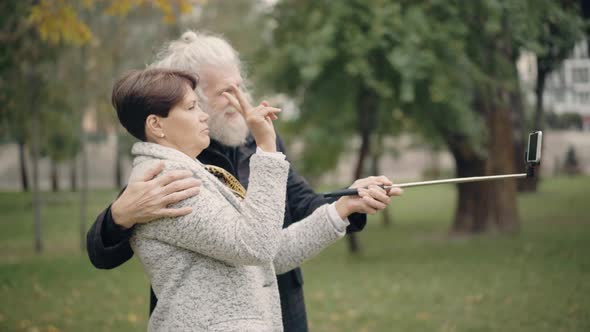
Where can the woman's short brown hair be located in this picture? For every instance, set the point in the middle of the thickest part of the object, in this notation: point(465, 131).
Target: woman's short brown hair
point(139, 93)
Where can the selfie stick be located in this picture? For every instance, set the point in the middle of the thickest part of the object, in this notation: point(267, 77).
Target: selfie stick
point(530, 172)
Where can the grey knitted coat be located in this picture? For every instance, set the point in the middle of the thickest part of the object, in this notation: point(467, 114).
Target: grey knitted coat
point(214, 269)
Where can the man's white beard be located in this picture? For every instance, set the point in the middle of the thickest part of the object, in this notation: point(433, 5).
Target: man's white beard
point(227, 131)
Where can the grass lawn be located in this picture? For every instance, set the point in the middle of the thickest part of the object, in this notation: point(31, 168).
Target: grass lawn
point(410, 277)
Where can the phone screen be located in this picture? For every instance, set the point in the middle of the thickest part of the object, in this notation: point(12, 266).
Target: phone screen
point(533, 140)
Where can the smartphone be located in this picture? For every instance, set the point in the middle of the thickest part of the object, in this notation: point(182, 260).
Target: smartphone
point(534, 147)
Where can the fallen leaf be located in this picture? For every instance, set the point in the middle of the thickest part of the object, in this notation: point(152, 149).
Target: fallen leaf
point(350, 312)
point(473, 299)
point(39, 290)
point(24, 324)
point(132, 318)
point(52, 328)
point(335, 317)
point(423, 315)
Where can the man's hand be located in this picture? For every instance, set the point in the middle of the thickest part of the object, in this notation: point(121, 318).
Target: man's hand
point(147, 199)
point(259, 119)
point(371, 197)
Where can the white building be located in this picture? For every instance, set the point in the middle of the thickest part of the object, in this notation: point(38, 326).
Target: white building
point(567, 89)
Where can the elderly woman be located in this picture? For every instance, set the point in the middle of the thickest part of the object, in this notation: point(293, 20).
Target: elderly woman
point(214, 269)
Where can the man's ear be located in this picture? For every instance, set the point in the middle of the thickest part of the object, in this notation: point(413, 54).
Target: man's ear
point(153, 127)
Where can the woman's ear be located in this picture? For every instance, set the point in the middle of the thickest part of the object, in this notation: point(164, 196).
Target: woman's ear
point(153, 127)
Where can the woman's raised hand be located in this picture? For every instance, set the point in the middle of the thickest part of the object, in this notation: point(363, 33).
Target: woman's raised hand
point(259, 118)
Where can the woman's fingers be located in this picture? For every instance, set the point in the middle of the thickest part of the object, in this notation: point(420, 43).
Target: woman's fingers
point(379, 194)
point(374, 198)
point(373, 203)
point(395, 192)
point(384, 180)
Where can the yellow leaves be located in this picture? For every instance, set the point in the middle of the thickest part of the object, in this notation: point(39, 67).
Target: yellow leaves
point(59, 21)
point(170, 9)
point(122, 7)
point(88, 4)
point(185, 7)
point(56, 21)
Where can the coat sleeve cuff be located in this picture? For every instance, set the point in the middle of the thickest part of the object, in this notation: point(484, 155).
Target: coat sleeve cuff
point(358, 222)
point(112, 234)
point(338, 223)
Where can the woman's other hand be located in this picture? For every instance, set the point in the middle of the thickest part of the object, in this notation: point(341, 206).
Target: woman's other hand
point(259, 118)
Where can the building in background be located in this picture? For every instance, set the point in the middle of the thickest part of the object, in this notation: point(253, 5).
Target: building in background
point(567, 89)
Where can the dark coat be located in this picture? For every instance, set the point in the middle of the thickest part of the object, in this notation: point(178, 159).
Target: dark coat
point(108, 245)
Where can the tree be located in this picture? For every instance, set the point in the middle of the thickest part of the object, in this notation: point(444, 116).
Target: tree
point(34, 33)
point(335, 62)
point(448, 65)
point(560, 32)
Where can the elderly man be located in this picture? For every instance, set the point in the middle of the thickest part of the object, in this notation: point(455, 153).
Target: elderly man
point(218, 66)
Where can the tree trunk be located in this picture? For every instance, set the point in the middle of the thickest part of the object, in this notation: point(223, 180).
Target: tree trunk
point(22, 161)
point(54, 176)
point(84, 192)
point(35, 142)
point(539, 119)
point(73, 175)
point(519, 135)
point(386, 218)
point(488, 205)
point(367, 115)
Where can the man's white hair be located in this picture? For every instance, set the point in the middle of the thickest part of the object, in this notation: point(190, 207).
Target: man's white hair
point(197, 50)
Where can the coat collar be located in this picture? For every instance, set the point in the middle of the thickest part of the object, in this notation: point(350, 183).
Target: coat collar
point(143, 150)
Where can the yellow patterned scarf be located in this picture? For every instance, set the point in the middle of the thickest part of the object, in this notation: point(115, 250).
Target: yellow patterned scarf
point(228, 180)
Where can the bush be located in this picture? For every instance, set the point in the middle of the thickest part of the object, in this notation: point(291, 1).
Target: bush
point(571, 165)
point(564, 121)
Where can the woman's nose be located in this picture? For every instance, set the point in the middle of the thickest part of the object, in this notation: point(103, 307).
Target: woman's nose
point(204, 116)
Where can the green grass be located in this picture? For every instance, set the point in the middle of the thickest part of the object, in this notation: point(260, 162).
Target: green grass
point(410, 277)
